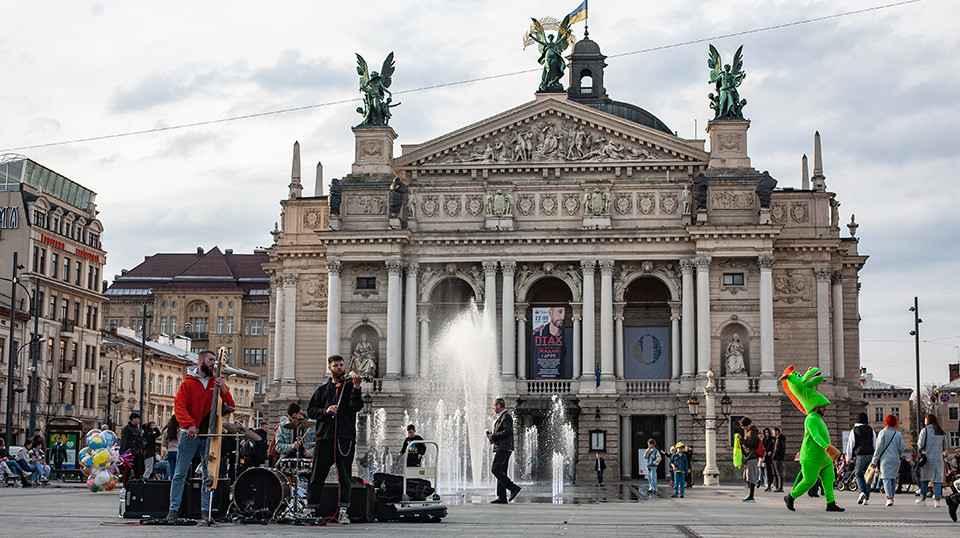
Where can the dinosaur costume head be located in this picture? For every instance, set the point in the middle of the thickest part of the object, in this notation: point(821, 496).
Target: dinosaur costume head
point(802, 389)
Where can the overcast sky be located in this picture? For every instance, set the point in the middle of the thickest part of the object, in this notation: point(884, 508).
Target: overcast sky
point(881, 86)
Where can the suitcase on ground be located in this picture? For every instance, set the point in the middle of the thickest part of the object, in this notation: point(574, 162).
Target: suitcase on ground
point(363, 499)
point(389, 487)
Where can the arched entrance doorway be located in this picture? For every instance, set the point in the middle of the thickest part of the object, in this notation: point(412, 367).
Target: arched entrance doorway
point(448, 298)
point(550, 341)
point(646, 330)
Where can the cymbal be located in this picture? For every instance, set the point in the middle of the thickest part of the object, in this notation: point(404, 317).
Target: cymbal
point(242, 431)
point(301, 424)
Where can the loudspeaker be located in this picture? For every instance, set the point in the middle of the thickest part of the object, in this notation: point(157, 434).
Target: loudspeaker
point(363, 502)
point(145, 498)
point(151, 498)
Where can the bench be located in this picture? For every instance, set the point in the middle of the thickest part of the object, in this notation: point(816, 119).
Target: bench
point(68, 475)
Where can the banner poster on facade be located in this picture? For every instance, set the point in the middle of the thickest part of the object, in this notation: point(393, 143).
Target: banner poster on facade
point(647, 352)
point(550, 353)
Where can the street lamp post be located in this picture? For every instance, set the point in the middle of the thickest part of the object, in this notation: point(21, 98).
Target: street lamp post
point(143, 358)
point(915, 333)
point(35, 353)
point(110, 396)
point(711, 474)
point(13, 350)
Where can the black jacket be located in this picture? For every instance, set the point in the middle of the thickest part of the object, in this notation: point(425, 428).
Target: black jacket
point(131, 439)
point(503, 433)
point(751, 439)
point(862, 440)
point(344, 424)
point(780, 447)
point(150, 441)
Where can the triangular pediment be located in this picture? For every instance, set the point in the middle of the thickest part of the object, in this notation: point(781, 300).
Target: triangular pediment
point(552, 131)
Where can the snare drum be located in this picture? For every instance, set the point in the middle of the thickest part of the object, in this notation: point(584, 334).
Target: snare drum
point(295, 466)
point(260, 492)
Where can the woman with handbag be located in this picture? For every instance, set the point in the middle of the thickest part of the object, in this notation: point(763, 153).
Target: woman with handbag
point(887, 457)
point(932, 445)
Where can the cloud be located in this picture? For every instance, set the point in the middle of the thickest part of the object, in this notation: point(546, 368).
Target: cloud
point(291, 72)
point(158, 88)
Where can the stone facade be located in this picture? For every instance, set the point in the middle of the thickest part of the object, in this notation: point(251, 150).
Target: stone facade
point(51, 223)
point(591, 205)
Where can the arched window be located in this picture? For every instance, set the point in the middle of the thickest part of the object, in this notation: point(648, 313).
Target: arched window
point(120, 380)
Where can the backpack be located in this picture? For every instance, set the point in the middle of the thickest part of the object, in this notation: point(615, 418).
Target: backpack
point(272, 449)
point(760, 449)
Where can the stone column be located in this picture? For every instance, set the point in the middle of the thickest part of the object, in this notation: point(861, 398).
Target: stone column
point(711, 474)
point(424, 312)
point(278, 329)
point(703, 314)
point(823, 275)
point(490, 292)
point(606, 318)
point(289, 327)
point(674, 342)
point(686, 316)
point(589, 315)
point(626, 448)
point(838, 363)
point(618, 358)
point(410, 322)
point(520, 315)
point(333, 308)
point(394, 323)
point(577, 338)
point(508, 360)
point(766, 314)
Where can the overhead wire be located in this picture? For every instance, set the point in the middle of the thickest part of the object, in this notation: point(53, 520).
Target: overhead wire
point(454, 83)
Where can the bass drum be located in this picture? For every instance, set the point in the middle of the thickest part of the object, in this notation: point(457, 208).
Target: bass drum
point(260, 492)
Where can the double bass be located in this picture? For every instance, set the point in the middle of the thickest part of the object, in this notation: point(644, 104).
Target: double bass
point(216, 433)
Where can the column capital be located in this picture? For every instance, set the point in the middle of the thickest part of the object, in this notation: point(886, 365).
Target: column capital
point(290, 279)
point(687, 264)
point(606, 267)
point(588, 266)
point(823, 274)
point(508, 267)
point(489, 267)
point(618, 311)
point(334, 266)
point(412, 268)
point(765, 261)
point(674, 317)
point(394, 266)
point(837, 277)
point(702, 262)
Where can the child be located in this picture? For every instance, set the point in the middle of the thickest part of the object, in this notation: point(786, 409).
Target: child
point(680, 467)
point(652, 457)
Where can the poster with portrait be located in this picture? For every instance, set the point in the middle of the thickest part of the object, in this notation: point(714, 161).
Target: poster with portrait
point(550, 342)
point(646, 352)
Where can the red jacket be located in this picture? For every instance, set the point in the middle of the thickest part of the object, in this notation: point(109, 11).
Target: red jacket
point(192, 402)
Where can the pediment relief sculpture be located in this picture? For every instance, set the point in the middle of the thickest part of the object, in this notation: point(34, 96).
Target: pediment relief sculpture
point(554, 141)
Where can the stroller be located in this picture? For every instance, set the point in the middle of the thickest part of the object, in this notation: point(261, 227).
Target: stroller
point(846, 477)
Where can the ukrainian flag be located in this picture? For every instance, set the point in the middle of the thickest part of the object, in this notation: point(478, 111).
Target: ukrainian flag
point(579, 14)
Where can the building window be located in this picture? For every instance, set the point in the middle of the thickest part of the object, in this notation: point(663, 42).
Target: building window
point(733, 279)
point(366, 283)
point(255, 327)
point(75, 352)
point(230, 324)
point(878, 415)
point(64, 306)
point(54, 265)
point(95, 320)
point(598, 440)
point(133, 381)
point(173, 324)
point(120, 382)
point(246, 355)
point(169, 386)
point(76, 279)
point(955, 439)
point(66, 269)
point(151, 383)
point(220, 305)
point(53, 307)
point(220, 324)
point(895, 411)
point(953, 412)
point(39, 219)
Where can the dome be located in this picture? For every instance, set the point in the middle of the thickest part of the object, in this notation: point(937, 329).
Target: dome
point(586, 46)
point(632, 113)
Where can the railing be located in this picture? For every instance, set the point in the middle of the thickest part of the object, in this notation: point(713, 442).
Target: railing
point(67, 325)
point(648, 386)
point(753, 384)
point(549, 386)
point(721, 384)
point(197, 335)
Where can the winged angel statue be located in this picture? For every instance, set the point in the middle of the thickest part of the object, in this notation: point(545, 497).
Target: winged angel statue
point(726, 103)
point(377, 100)
point(551, 53)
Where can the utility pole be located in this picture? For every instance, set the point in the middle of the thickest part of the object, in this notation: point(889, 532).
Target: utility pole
point(13, 352)
point(143, 363)
point(34, 353)
point(915, 333)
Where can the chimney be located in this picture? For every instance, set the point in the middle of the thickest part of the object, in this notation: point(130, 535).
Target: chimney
point(199, 251)
point(954, 371)
point(228, 251)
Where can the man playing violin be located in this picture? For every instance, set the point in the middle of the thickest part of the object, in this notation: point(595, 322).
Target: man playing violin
point(334, 406)
point(192, 406)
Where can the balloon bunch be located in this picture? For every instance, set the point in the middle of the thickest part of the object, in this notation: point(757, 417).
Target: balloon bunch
point(100, 460)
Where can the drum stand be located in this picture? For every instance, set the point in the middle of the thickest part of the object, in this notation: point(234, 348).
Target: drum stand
point(295, 509)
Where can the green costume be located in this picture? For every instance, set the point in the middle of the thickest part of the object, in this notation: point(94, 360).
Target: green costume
point(816, 452)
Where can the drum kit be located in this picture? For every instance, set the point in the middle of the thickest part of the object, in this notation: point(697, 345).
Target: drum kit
point(278, 493)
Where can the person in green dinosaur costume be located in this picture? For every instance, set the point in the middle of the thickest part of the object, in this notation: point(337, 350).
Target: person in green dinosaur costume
point(816, 452)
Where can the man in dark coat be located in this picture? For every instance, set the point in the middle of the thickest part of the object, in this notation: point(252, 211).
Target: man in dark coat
point(131, 438)
point(334, 406)
point(502, 439)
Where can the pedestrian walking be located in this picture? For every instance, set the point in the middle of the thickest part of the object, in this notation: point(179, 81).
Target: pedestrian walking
point(750, 441)
point(887, 457)
point(779, 450)
point(859, 449)
point(599, 466)
point(932, 445)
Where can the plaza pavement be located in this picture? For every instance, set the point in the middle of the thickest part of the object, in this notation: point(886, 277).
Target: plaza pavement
point(617, 509)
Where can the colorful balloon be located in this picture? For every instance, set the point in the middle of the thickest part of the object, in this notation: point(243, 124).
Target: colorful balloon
point(109, 437)
point(96, 442)
point(111, 484)
point(86, 470)
point(90, 434)
point(102, 477)
point(101, 459)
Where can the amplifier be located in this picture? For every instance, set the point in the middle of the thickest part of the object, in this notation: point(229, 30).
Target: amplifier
point(363, 502)
point(151, 498)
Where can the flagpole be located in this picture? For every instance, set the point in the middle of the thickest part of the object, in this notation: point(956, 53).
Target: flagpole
point(586, 19)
